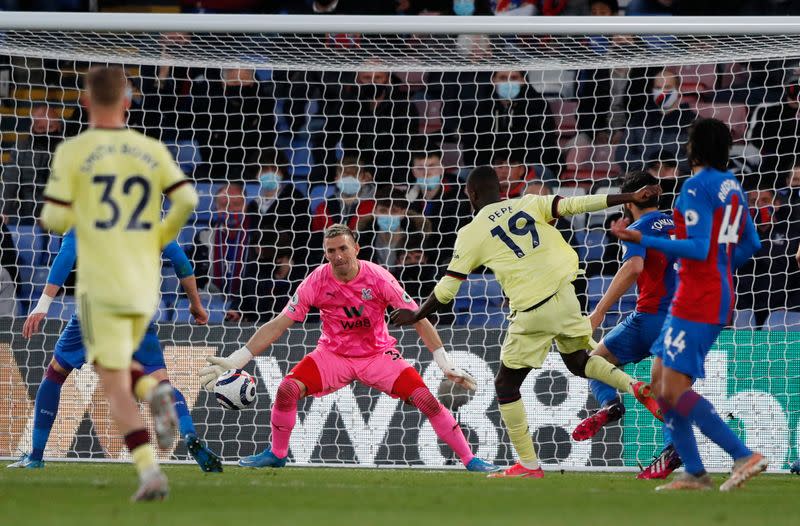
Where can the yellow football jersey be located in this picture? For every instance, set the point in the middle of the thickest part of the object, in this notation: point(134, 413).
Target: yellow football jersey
point(114, 179)
point(514, 238)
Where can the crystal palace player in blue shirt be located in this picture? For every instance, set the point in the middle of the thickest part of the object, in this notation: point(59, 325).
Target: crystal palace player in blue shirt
point(715, 235)
point(630, 341)
point(70, 354)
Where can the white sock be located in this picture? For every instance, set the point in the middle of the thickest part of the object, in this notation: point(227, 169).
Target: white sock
point(530, 465)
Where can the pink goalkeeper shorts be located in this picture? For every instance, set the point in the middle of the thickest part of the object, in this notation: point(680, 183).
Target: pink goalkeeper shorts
point(379, 371)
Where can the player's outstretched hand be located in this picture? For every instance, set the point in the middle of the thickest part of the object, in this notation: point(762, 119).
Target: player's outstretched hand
point(457, 375)
point(402, 317)
point(32, 324)
point(619, 229)
point(646, 193)
point(209, 374)
point(199, 314)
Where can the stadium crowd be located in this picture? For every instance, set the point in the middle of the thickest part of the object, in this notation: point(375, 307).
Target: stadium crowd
point(278, 156)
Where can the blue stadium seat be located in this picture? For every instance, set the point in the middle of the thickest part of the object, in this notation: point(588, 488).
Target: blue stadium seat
point(164, 313)
point(593, 244)
point(214, 304)
point(596, 286)
point(783, 320)
point(744, 319)
point(480, 302)
point(29, 240)
point(205, 205)
point(186, 154)
point(300, 158)
point(63, 307)
point(318, 194)
point(186, 236)
point(251, 190)
point(170, 286)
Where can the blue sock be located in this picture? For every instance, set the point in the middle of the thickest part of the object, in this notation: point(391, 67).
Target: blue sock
point(702, 414)
point(44, 414)
point(185, 422)
point(683, 439)
point(603, 393)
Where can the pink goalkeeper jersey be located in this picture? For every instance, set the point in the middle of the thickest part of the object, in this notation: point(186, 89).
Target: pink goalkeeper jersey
point(353, 314)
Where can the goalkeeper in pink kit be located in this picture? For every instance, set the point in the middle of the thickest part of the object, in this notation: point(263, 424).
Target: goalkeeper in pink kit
point(352, 296)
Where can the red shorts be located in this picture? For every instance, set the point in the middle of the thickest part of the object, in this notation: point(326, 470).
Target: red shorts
point(379, 371)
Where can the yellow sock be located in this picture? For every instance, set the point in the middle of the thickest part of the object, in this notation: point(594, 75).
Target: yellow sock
point(516, 422)
point(600, 369)
point(144, 458)
point(143, 387)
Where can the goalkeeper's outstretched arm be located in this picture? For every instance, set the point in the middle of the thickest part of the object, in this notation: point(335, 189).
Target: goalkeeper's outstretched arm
point(433, 342)
point(265, 336)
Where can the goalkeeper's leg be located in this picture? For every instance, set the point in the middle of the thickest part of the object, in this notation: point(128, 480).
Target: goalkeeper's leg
point(304, 379)
point(410, 387)
point(45, 410)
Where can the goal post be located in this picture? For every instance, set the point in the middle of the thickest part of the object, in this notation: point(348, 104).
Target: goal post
point(398, 110)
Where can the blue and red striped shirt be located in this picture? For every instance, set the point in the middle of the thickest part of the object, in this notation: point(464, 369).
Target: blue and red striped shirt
point(658, 279)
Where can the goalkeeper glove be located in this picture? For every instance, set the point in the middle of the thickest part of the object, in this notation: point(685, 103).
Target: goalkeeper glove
point(455, 374)
point(218, 365)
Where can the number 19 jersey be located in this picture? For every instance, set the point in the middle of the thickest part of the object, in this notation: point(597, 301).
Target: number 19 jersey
point(514, 238)
point(113, 179)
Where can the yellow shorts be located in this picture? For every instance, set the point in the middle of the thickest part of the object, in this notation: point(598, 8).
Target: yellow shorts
point(110, 338)
point(531, 333)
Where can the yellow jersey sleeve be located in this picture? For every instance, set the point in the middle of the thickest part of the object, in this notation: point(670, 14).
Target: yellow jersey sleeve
point(466, 257)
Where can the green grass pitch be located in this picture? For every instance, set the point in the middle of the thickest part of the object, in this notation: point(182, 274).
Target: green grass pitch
point(97, 494)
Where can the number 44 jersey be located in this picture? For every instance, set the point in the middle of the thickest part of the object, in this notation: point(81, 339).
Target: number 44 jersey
point(711, 206)
point(516, 240)
point(113, 179)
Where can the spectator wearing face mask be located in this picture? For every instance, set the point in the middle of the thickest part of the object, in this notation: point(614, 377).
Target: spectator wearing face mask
point(440, 201)
point(661, 130)
point(353, 198)
point(515, 116)
point(383, 234)
point(279, 217)
point(771, 279)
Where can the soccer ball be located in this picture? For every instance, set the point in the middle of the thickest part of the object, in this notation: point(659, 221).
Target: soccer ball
point(235, 389)
point(794, 469)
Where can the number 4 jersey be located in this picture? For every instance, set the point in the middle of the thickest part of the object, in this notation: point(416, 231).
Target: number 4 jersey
point(514, 238)
point(711, 206)
point(113, 179)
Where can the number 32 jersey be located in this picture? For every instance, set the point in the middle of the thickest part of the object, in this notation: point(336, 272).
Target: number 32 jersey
point(711, 205)
point(514, 238)
point(113, 179)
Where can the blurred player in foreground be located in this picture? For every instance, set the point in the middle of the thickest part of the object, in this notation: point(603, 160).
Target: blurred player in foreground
point(630, 341)
point(108, 182)
point(71, 354)
point(352, 296)
point(715, 234)
point(535, 267)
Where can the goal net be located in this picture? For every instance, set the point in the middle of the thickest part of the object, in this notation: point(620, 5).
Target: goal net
point(289, 124)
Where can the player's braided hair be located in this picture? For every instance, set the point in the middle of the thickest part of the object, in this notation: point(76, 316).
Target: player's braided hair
point(339, 229)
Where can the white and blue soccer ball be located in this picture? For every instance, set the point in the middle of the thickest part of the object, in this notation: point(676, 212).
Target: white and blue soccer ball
point(235, 389)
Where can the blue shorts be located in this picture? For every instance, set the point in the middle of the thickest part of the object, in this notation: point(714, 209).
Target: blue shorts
point(630, 341)
point(71, 354)
point(683, 345)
